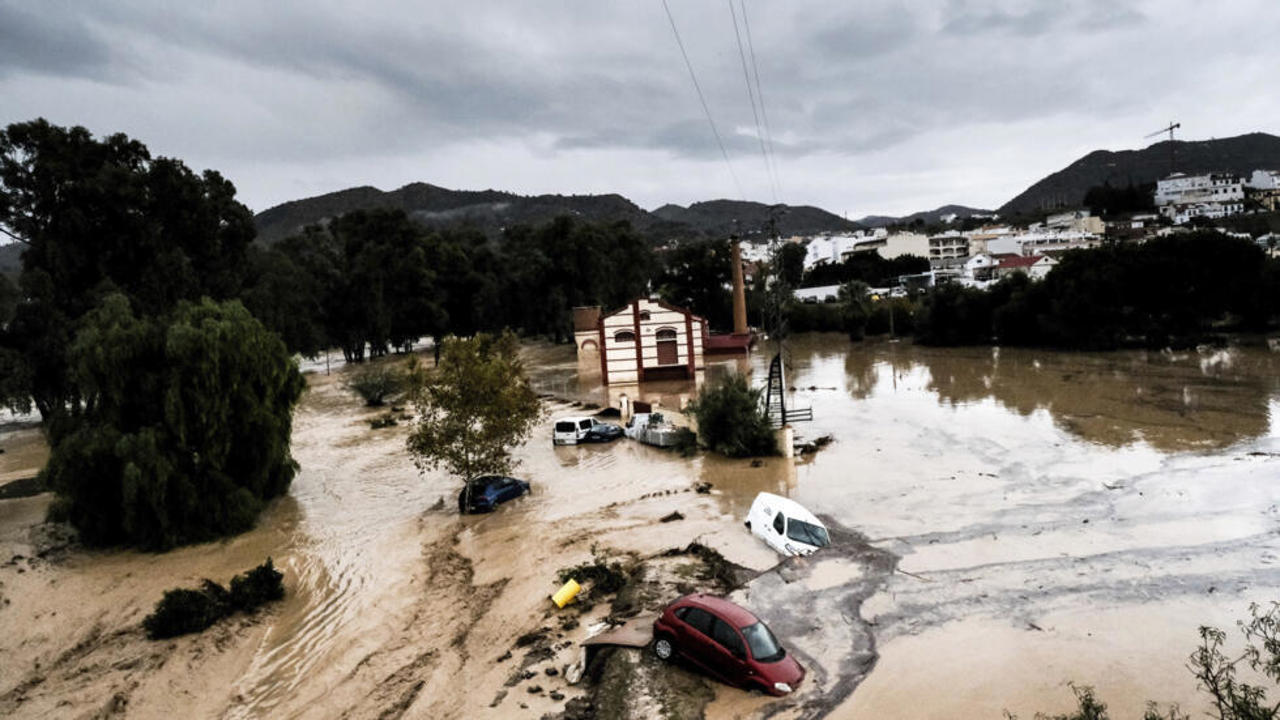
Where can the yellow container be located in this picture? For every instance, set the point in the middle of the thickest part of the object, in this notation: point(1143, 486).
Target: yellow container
point(566, 593)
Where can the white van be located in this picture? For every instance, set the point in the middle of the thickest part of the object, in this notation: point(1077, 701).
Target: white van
point(786, 526)
point(574, 430)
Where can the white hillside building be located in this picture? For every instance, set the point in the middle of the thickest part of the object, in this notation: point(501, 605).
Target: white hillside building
point(1212, 195)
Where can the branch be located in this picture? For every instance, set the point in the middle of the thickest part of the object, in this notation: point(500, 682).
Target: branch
point(22, 240)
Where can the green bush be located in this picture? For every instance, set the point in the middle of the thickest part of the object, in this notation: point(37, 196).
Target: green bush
point(732, 420)
point(377, 384)
point(259, 586)
point(182, 611)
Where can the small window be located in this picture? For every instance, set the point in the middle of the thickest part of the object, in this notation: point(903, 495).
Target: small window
point(564, 426)
point(624, 336)
point(779, 523)
point(699, 620)
point(644, 316)
point(666, 334)
point(584, 424)
point(728, 638)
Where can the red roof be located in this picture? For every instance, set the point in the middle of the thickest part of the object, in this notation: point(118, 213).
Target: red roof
point(735, 615)
point(1020, 261)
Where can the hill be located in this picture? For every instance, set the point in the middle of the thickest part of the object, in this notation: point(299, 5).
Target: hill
point(929, 217)
point(724, 217)
point(492, 210)
point(489, 210)
point(1066, 188)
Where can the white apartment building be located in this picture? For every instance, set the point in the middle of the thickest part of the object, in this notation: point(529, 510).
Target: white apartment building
point(1076, 220)
point(825, 249)
point(948, 249)
point(1263, 180)
point(1181, 197)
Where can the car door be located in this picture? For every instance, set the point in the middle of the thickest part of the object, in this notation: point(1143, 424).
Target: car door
point(776, 534)
point(729, 659)
point(508, 489)
point(696, 636)
point(584, 430)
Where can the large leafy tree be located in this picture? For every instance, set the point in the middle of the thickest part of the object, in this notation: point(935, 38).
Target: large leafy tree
point(697, 276)
point(101, 215)
point(475, 409)
point(186, 424)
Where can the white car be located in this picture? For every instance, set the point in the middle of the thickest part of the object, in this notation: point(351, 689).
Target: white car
point(786, 526)
point(574, 430)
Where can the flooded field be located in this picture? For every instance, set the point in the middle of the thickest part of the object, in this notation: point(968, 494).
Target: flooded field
point(1009, 521)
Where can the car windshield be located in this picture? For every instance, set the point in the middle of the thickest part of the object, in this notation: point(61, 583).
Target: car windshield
point(764, 646)
point(808, 533)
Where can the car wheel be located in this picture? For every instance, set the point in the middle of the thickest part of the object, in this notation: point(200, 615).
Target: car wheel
point(664, 648)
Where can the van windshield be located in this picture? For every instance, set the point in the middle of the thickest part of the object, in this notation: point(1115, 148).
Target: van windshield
point(808, 533)
point(565, 427)
point(764, 646)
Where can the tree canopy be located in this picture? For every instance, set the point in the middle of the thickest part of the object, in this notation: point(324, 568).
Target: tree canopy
point(185, 429)
point(475, 408)
point(99, 216)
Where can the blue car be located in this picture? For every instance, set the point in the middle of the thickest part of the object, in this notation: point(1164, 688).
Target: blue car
point(485, 493)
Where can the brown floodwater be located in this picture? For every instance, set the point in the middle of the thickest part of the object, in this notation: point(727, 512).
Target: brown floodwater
point(1055, 517)
point(1011, 519)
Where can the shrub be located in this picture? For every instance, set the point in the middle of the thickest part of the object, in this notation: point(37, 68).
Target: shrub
point(732, 420)
point(182, 610)
point(259, 586)
point(376, 384)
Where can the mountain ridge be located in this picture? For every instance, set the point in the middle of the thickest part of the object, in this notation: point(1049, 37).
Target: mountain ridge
point(492, 210)
point(1066, 188)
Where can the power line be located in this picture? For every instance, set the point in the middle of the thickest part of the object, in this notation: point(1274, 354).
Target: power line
point(768, 132)
point(702, 99)
point(751, 98)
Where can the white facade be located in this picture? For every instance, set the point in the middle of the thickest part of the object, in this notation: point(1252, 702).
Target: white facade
point(1179, 189)
point(904, 243)
point(948, 249)
point(646, 340)
point(825, 249)
point(1213, 195)
point(822, 293)
point(1264, 180)
point(1076, 220)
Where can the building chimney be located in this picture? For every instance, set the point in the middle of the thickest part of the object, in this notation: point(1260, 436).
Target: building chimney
point(739, 291)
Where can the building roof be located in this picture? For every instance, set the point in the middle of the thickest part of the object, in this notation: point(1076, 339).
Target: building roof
point(659, 303)
point(1020, 261)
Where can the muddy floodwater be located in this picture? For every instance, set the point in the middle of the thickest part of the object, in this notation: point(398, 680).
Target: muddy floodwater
point(1006, 521)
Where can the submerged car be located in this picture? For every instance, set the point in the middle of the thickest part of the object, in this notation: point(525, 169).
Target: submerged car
point(575, 430)
point(485, 493)
point(727, 642)
point(786, 526)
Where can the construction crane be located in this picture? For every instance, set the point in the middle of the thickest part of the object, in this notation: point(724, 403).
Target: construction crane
point(1172, 126)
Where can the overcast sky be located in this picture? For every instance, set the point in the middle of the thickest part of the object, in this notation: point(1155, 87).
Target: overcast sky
point(875, 107)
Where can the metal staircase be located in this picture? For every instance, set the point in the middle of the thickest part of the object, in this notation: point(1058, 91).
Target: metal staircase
point(775, 398)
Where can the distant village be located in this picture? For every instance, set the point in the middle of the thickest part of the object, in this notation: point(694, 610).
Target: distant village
point(983, 255)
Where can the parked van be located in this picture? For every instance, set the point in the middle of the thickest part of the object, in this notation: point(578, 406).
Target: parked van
point(786, 526)
point(574, 430)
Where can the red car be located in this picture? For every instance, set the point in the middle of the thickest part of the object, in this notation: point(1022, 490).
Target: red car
point(726, 641)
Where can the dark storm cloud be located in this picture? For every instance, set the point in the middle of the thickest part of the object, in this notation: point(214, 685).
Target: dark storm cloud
point(296, 90)
point(34, 39)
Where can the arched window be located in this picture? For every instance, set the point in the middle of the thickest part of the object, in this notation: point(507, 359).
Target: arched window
point(666, 334)
point(644, 316)
point(624, 336)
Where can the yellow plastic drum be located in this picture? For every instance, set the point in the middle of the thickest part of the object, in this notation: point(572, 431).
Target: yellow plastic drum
point(566, 593)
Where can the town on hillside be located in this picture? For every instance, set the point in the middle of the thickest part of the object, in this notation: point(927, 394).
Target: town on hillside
point(990, 249)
